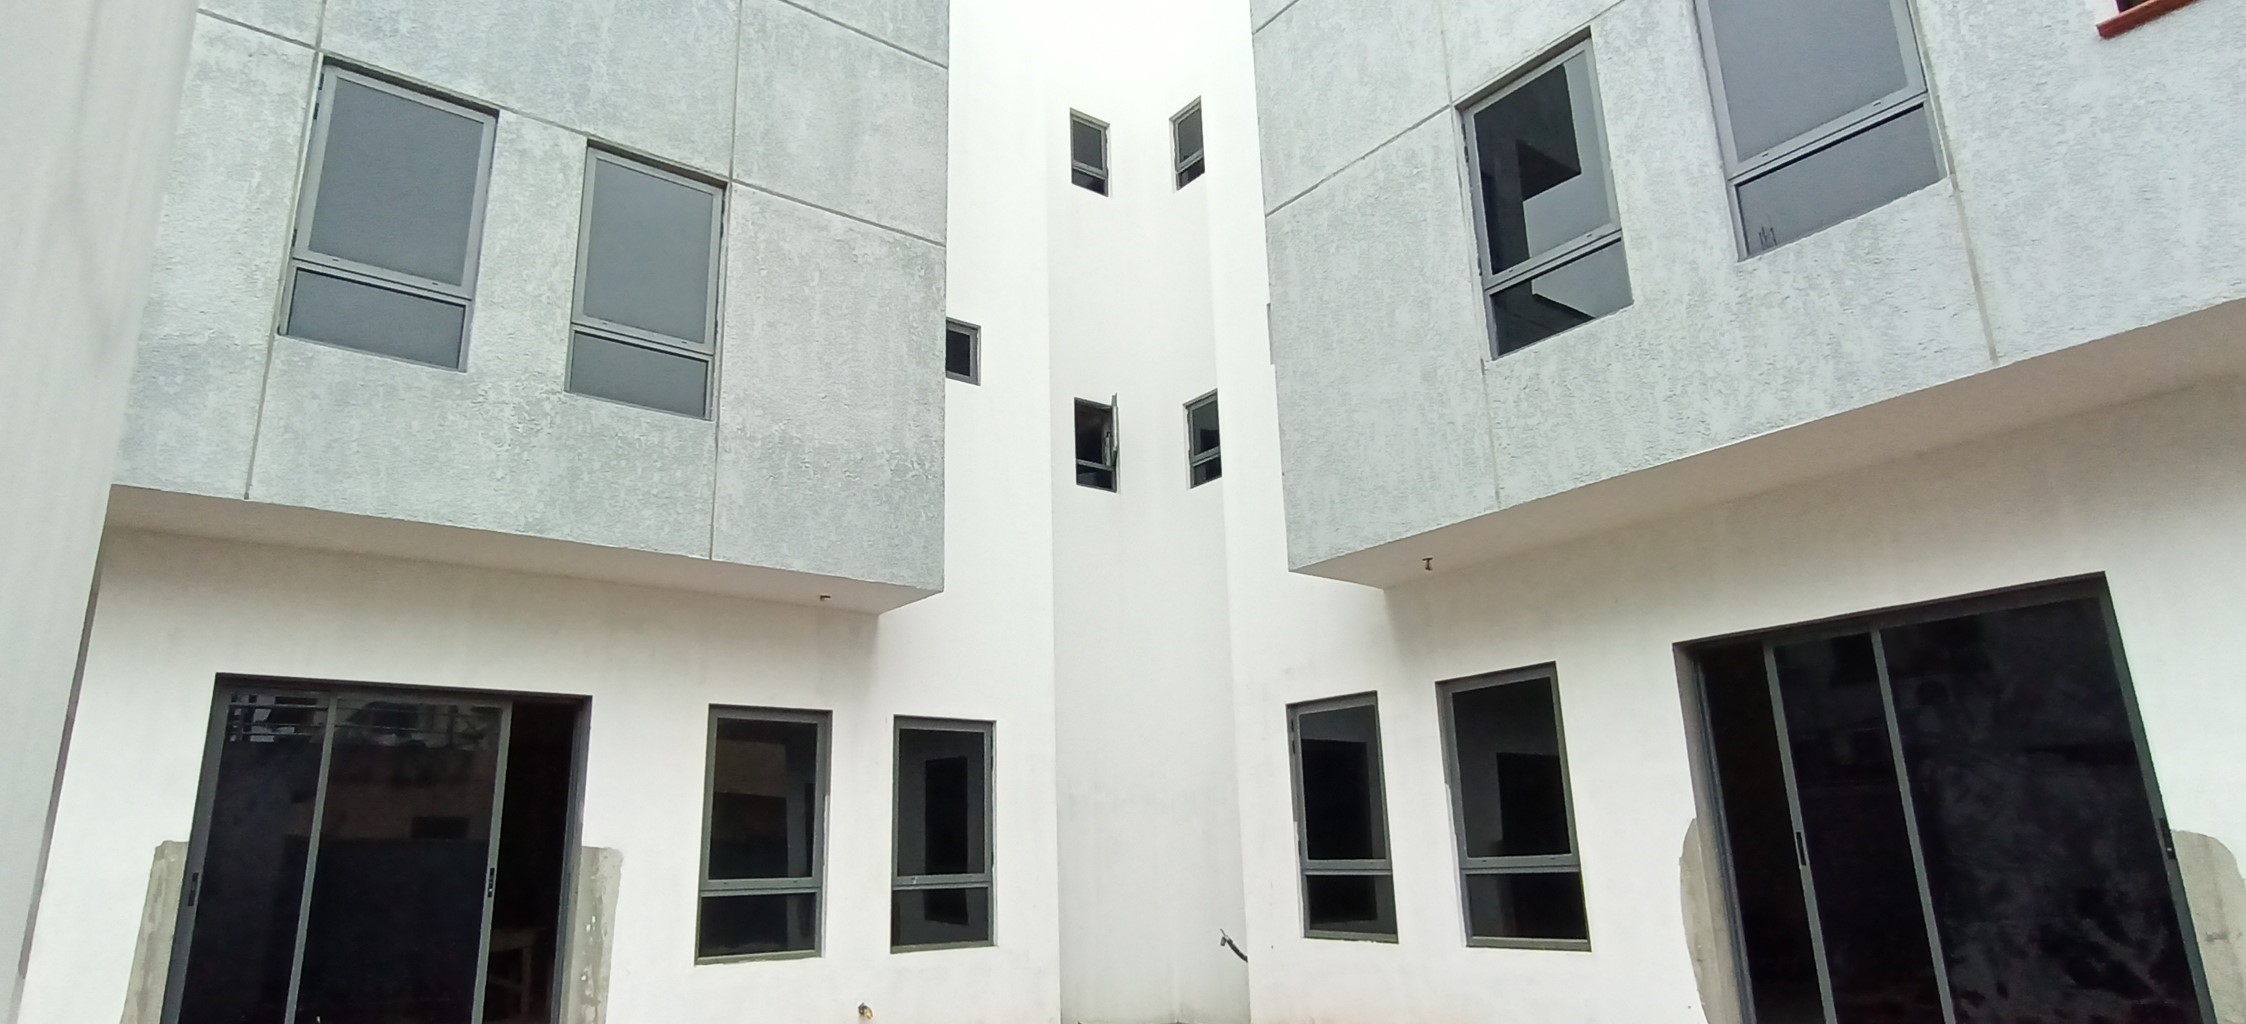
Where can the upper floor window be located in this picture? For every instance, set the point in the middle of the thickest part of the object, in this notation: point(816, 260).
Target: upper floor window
point(1203, 459)
point(1087, 152)
point(1521, 874)
point(1341, 820)
point(764, 834)
point(1822, 111)
point(391, 216)
point(963, 352)
point(1095, 445)
point(645, 325)
point(1185, 133)
point(1552, 254)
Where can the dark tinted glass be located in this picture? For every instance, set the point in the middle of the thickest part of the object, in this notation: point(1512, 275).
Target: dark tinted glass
point(1201, 426)
point(1852, 821)
point(2043, 851)
point(1357, 904)
point(397, 186)
point(1854, 176)
point(1343, 814)
point(1789, 66)
point(256, 839)
point(1088, 180)
point(379, 320)
point(1568, 296)
point(1526, 906)
point(1512, 788)
point(928, 917)
point(395, 934)
point(1188, 127)
point(758, 923)
point(959, 352)
point(1543, 173)
point(647, 252)
point(1206, 470)
point(764, 800)
point(1095, 430)
point(942, 792)
point(639, 375)
point(1087, 144)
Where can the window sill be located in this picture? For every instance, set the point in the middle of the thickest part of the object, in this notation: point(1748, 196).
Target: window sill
point(2136, 16)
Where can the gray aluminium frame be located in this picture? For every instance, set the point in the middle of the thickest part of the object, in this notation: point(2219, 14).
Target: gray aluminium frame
point(1380, 867)
point(303, 258)
point(1469, 866)
point(1582, 246)
point(609, 330)
point(1077, 117)
point(974, 333)
point(812, 883)
point(1113, 465)
point(1194, 457)
point(1199, 156)
point(901, 882)
point(1741, 169)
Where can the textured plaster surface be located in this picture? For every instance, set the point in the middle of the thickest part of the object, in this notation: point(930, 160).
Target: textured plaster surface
point(592, 932)
point(1261, 11)
point(653, 75)
point(191, 419)
point(152, 947)
point(1714, 972)
point(839, 120)
point(2218, 915)
point(921, 26)
point(1378, 346)
point(830, 437)
point(1335, 78)
point(1483, 42)
point(292, 19)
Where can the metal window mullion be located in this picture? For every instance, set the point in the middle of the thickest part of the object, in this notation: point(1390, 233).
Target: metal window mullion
point(369, 274)
point(491, 857)
point(616, 332)
point(1801, 835)
point(1855, 122)
point(1539, 865)
point(742, 886)
point(1910, 828)
point(1375, 866)
point(311, 860)
point(1553, 259)
point(905, 883)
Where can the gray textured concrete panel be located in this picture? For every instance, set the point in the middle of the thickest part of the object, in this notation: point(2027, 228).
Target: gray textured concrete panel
point(501, 446)
point(655, 75)
point(841, 121)
point(921, 26)
point(1378, 337)
point(152, 947)
point(192, 415)
point(1483, 41)
point(1335, 78)
point(592, 935)
point(830, 443)
point(293, 19)
point(1262, 11)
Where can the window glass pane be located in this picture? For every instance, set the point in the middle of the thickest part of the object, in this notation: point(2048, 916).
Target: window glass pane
point(397, 185)
point(1343, 815)
point(758, 923)
point(1853, 176)
point(1567, 296)
point(959, 352)
point(1526, 906)
point(942, 793)
point(927, 917)
point(1792, 65)
point(362, 316)
point(1093, 425)
point(1543, 173)
point(1189, 133)
point(1207, 470)
point(764, 799)
point(1201, 422)
point(1086, 180)
point(1359, 904)
point(1192, 171)
point(639, 375)
point(647, 252)
point(1087, 144)
point(1512, 789)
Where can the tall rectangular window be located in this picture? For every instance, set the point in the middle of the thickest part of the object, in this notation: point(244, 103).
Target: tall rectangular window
point(963, 352)
point(389, 222)
point(764, 834)
point(1551, 242)
point(1096, 454)
point(1087, 152)
point(1341, 820)
point(941, 894)
point(644, 330)
point(1185, 133)
point(1821, 108)
point(1204, 461)
point(1521, 878)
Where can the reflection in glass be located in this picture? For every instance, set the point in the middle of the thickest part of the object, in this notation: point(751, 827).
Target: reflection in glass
point(1512, 791)
point(1354, 904)
point(930, 917)
point(1572, 295)
point(941, 794)
point(1845, 180)
point(1543, 173)
point(764, 799)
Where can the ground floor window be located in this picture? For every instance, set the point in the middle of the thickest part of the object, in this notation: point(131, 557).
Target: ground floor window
point(941, 893)
point(1341, 814)
point(764, 834)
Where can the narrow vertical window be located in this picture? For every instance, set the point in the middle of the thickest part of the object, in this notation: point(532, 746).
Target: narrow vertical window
point(1822, 111)
point(1185, 132)
point(645, 328)
point(1521, 879)
point(1341, 820)
point(1087, 152)
point(942, 890)
point(1095, 445)
point(963, 352)
point(1203, 459)
point(1552, 254)
point(764, 834)
point(384, 258)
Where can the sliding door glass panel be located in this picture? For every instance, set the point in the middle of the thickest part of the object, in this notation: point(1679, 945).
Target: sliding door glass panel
point(2042, 848)
point(395, 934)
point(258, 833)
point(1878, 961)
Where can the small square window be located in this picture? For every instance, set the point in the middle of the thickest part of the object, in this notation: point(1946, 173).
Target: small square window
point(1185, 133)
point(1095, 445)
point(1087, 152)
point(963, 352)
point(1204, 460)
point(764, 834)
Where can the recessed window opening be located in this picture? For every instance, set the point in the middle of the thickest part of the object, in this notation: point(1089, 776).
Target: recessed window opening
point(1087, 149)
point(1204, 461)
point(1552, 254)
point(1522, 879)
point(645, 326)
point(1096, 454)
point(963, 352)
point(389, 223)
point(1185, 135)
point(1821, 109)
point(1341, 820)
point(942, 890)
point(764, 834)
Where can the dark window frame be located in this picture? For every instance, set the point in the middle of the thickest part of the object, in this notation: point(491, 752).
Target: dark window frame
point(1190, 167)
point(974, 334)
point(1306, 868)
point(581, 322)
point(901, 882)
point(1089, 177)
point(1198, 459)
point(1469, 866)
point(1113, 464)
point(815, 882)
